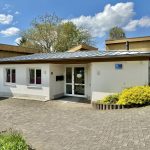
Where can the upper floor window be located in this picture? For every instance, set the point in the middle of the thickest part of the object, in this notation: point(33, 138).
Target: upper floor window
point(10, 75)
point(34, 76)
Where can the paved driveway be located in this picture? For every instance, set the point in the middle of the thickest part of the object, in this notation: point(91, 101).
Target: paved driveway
point(66, 126)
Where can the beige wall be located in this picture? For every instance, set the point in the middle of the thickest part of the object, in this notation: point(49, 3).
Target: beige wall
point(120, 46)
point(105, 79)
point(143, 45)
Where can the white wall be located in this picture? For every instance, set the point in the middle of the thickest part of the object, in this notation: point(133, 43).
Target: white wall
point(149, 73)
point(101, 79)
point(88, 82)
point(105, 79)
point(21, 89)
point(56, 87)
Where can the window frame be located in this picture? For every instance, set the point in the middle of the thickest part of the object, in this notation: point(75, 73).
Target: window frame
point(5, 76)
point(35, 78)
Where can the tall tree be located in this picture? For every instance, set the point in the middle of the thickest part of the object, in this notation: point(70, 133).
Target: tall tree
point(43, 32)
point(116, 33)
point(49, 32)
point(69, 35)
point(22, 41)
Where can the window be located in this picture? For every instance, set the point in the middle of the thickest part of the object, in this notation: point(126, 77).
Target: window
point(10, 76)
point(34, 76)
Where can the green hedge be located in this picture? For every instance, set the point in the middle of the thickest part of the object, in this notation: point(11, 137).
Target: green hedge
point(12, 140)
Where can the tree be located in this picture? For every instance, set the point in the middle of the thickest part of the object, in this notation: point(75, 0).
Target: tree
point(69, 35)
point(22, 41)
point(116, 33)
point(49, 32)
point(43, 32)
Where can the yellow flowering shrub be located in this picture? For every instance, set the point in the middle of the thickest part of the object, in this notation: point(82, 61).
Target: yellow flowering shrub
point(138, 95)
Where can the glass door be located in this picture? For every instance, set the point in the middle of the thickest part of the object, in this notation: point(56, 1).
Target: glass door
point(75, 81)
point(79, 81)
point(69, 80)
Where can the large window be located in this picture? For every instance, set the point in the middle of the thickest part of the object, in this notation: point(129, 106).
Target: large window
point(10, 75)
point(34, 76)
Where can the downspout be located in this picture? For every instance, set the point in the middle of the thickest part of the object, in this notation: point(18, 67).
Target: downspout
point(127, 45)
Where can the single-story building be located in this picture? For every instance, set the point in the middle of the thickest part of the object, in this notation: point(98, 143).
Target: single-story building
point(90, 74)
point(131, 44)
point(11, 50)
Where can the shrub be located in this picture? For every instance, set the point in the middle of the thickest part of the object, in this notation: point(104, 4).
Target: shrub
point(12, 140)
point(110, 99)
point(139, 95)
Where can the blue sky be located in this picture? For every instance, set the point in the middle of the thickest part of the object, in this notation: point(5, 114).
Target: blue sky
point(97, 16)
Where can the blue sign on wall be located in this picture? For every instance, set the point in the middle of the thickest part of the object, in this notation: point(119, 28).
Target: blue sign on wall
point(118, 66)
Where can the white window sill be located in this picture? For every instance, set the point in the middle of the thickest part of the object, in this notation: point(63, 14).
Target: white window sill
point(34, 86)
point(10, 84)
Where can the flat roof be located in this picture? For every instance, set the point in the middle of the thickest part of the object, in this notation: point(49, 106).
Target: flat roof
point(75, 56)
point(135, 39)
point(19, 49)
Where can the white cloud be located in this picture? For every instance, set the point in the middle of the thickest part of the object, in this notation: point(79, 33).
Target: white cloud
point(17, 41)
point(117, 15)
point(6, 6)
point(17, 13)
point(5, 19)
point(14, 23)
point(10, 31)
point(133, 24)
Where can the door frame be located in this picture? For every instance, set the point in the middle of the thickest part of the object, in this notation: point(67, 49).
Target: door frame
point(85, 80)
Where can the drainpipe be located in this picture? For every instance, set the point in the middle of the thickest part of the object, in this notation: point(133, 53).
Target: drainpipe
point(127, 45)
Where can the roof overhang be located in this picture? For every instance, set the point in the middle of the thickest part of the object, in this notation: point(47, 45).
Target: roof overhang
point(80, 60)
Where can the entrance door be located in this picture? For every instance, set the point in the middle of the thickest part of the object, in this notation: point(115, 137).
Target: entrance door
point(75, 81)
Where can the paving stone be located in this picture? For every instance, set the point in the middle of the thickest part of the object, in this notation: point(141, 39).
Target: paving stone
point(55, 125)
